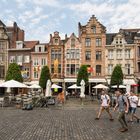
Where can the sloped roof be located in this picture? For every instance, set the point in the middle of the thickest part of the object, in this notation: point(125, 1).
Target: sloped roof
point(30, 44)
point(109, 38)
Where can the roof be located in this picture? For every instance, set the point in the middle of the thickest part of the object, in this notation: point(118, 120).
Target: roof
point(109, 38)
point(129, 34)
point(30, 44)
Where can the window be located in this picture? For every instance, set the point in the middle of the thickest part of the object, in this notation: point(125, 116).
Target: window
point(116, 40)
point(88, 55)
point(19, 44)
point(68, 54)
point(94, 29)
point(55, 54)
point(98, 55)
point(127, 69)
point(72, 42)
point(35, 74)
point(119, 54)
point(36, 62)
point(110, 54)
point(68, 69)
point(77, 55)
point(2, 46)
point(98, 69)
point(19, 59)
point(43, 61)
point(39, 49)
point(127, 54)
point(59, 68)
point(138, 51)
point(26, 59)
point(2, 72)
point(110, 69)
point(12, 59)
point(1, 57)
point(73, 54)
point(120, 40)
point(54, 69)
point(98, 42)
point(138, 66)
point(27, 71)
point(56, 41)
point(88, 42)
point(72, 69)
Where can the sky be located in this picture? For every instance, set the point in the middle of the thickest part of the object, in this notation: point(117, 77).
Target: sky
point(40, 18)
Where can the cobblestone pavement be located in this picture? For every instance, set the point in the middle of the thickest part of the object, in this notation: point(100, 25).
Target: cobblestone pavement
point(57, 123)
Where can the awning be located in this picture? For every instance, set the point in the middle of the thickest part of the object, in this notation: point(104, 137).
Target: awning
point(91, 80)
point(72, 80)
point(97, 80)
point(32, 82)
point(129, 82)
point(57, 80)
point(125, 81)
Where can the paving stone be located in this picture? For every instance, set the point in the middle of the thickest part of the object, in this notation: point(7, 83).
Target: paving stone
point(62, 124)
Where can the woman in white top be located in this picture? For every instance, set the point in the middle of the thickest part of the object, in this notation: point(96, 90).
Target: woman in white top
point(105, 103)
point(133, 100)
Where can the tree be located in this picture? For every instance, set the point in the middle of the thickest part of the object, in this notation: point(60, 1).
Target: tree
point(14, 73)
point(82, 74)
point(117, 76)
point(45, 75)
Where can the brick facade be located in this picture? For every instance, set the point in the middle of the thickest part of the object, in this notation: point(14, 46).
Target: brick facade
point(93, 40)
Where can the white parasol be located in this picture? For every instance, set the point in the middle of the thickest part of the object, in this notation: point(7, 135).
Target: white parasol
point(101, 86)
point(13, 84)
point(74, 86)
point(82, 94)
point(48, 92)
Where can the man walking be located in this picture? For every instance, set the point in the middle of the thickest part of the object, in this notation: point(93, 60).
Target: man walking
point(105, 103)
point(122, 104)
point(133, 100)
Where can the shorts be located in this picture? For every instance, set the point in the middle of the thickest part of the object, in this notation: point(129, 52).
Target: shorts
point(133, 110)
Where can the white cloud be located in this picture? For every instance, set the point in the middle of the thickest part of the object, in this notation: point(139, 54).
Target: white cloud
point(51, 3)
point(112, 15)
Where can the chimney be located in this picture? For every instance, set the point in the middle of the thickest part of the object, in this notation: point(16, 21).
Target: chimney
point(66, 36)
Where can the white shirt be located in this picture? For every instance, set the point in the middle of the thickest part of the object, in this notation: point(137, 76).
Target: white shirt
point(133, 101)
point(104, 99)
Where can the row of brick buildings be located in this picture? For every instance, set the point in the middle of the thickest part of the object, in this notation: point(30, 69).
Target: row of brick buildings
point(94, 47)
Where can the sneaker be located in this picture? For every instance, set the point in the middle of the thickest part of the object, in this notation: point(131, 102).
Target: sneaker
point(96, 118)
point(111, 119)
point(123, 130)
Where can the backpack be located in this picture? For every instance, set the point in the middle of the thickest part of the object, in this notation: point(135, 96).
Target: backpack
point(125, 103)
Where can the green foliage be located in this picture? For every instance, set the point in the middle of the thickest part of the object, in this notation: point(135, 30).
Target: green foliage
point(82, 74)
point(117, 76)
point(14, 73)
point(45, 75)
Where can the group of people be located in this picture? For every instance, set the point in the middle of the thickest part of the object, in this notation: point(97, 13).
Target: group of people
point(126, 104)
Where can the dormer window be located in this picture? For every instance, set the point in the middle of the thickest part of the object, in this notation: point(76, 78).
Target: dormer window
point(94, 29)
point(39, 48)
point(120, 41)
point(19, 44)
point(72, 42)
point(56, 41)
point(116, 40)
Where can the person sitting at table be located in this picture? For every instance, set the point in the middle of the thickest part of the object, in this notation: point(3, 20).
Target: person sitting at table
point(61, 97)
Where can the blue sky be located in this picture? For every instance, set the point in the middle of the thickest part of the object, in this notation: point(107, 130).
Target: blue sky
point(39, 18)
